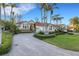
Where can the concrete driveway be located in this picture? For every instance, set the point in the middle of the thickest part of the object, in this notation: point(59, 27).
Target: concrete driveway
point(27, 45)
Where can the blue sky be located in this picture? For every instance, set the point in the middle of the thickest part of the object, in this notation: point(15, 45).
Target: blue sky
point(31, 11)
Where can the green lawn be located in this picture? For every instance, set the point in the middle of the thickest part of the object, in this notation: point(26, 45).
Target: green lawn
point(6, 42)
point(65, 41)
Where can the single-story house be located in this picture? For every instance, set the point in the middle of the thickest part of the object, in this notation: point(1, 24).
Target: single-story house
point(41, 27)
point(25, 26)
point(36, 26)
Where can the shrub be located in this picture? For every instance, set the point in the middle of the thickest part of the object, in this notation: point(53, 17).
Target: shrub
point(42, 36)
point(6, 42)
point(40, 32)
point(14, 30)
point(11, 27)
point(70, 33)
point(51, 32)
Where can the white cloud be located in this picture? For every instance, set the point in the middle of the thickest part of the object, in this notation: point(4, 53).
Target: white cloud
point(27, 7)
point(23, 8)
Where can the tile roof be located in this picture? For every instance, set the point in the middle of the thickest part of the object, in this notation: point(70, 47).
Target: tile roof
point(41, 24)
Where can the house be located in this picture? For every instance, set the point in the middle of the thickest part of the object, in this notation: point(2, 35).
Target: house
point(53, 27)
point(50, 27)
point(25, 26)
point(41, 27)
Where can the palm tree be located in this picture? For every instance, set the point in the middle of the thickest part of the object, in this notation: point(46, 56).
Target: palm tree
point(51, 8)
point(0, 11)
point(4, 5)
point(13, 18)
point(60, 18)
point(18, 16)
point(44, 9)
point(56, 18)
point(45, 15)
point(12, 6)
point(36, 19)
point(41, 8)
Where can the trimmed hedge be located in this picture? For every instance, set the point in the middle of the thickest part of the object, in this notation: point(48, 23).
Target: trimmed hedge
point(42, 36)
point(41, 32)
point(6, 42)
point(70, 33)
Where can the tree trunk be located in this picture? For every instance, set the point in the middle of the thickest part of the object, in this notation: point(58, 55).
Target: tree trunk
point(51, 16)
point(41, 16)
point(56, 24)
point(44, 20)
point(60, 22)
point(4, 14)
point(11, 13)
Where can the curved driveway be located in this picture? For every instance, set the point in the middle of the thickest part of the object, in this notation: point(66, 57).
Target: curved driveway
point(27, 45)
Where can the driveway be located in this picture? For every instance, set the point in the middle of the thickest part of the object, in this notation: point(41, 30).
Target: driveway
point(27, 45)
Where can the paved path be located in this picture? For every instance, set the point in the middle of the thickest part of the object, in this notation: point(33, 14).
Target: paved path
point(27, 45)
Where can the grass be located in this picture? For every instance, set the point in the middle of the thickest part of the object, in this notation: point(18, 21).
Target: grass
point(66, 41)
point(6, 42)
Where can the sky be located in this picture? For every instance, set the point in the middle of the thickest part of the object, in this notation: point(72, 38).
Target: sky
point(31, 11)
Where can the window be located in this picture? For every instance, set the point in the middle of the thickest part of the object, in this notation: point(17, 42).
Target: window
point(25, 27)
point(50, 28)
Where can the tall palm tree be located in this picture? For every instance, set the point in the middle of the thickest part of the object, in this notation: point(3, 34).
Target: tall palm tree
point(56, 18)
point(12, 6)
point(36, 19)
point(18, 16)
point(51, 9)
point(60, 18)
point(41, 8)
point(4, 5)
point(45, 15)
point(44, 9)
point(0, 11)
point(13, 15)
